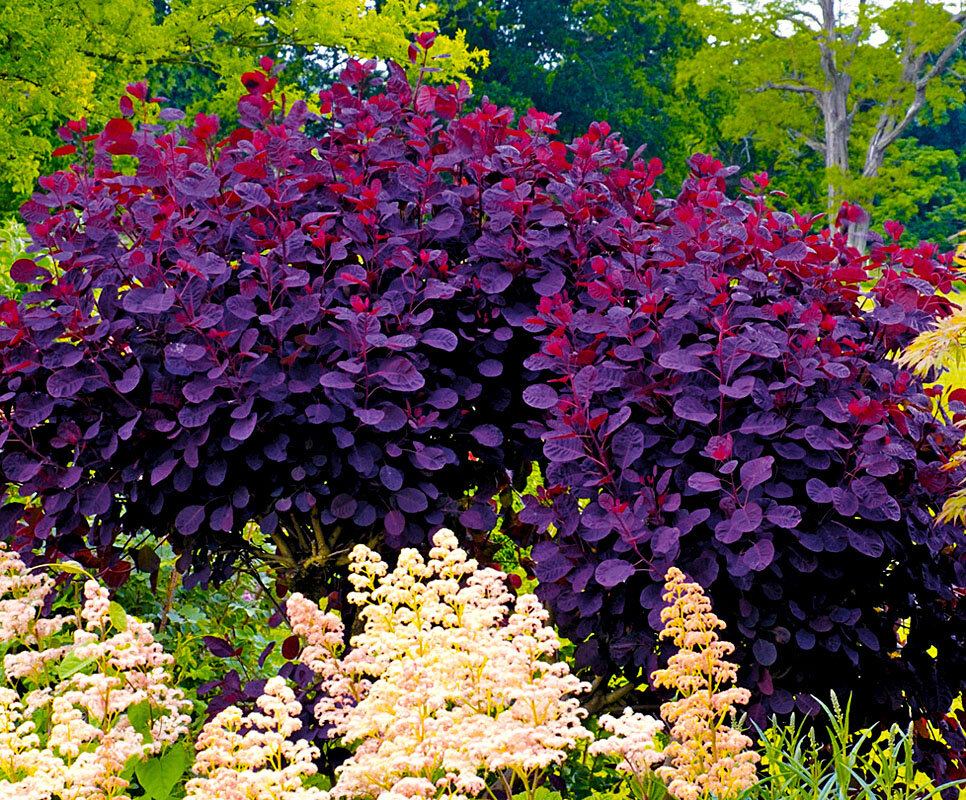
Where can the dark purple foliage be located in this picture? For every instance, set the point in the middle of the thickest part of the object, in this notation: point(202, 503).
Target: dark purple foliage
point(720, 397)
point(318, 333)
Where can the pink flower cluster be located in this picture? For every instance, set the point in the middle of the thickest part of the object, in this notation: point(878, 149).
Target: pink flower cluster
point(81, 676)
point(452, 684)
point(633, 743)
point(22, 596)
point(705, 756)
point(252, 757)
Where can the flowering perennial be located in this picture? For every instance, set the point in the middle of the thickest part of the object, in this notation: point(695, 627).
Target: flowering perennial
point(633, 742)
point(252, 757)
point(83, 696)
point(447, 690)
point(705, 757)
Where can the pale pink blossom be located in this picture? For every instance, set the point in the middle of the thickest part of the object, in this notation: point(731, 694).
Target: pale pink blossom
point(706, 756)
point(252, 757)
point(451, 676)
point(89, 740)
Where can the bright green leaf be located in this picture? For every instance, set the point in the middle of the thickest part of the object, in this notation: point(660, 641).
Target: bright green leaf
point(158, 776)
point(118, 616)
point(72, 664)
point(139, 715)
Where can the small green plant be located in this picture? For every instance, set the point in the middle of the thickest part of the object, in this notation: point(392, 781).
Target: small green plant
point(13, 240)
point(800, 764)
point(219, 636)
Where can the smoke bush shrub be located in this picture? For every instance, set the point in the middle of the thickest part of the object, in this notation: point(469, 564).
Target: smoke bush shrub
point(723, 399)
point(320, 333)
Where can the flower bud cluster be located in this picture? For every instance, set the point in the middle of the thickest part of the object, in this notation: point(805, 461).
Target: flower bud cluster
point(69, 685)
point(452, 684)
point(253, 757)
point(705, 757)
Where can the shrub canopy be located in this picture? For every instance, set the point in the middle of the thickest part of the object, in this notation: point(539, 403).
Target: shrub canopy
point(721, 396)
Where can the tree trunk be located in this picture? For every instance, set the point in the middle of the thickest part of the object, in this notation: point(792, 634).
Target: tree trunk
point(919, 68)
point(837, 132)
point(874, 157)
point(834, 103)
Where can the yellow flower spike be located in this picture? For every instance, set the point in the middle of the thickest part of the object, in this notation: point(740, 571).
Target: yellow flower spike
point(705, 757)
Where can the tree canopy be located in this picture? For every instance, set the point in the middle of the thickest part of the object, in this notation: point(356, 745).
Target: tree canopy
point(588, 60)
point(819, 79)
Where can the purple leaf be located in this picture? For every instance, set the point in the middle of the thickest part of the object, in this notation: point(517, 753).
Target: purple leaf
point(443, 398)
point(844, 502)
point(24, 270)
point(704, 482)
point(252, 194)
point(19, 467)
point(223, 518)
point(147, 301)
point(343, 506)
point(32, 409)
point(552, 569)
point(243, 428)
point(792, 252)
point(440, 338)
point(628, 445)
point(491, 368)
point(747, 518)
point(891, 314)
point(369, 416)
point(391, 478)
point(487, 435)
point(680, 361)
point(691, 408)
point(742, 387)
point(755, 472)
point(400, 373)
point(665, 540)
point(612, 572)
point(189, 519)
point(162, 471)
point(562, 449)
point(241, 307)
point(411, 501)
point(868, 544)
point(336, 380)
point(786, 517)
point(130, 379)
point(822, 438)
point(395, 523)
point(65, 383)
point(96, 500)
point(218, 647)
point(868, 638)
point(759, 555)
point(765, 652)
point(818, 491)
point(539, 395)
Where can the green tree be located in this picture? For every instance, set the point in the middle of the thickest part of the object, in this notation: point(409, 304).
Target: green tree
point(610, 60)
point(845, 85)
point(62, 59)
